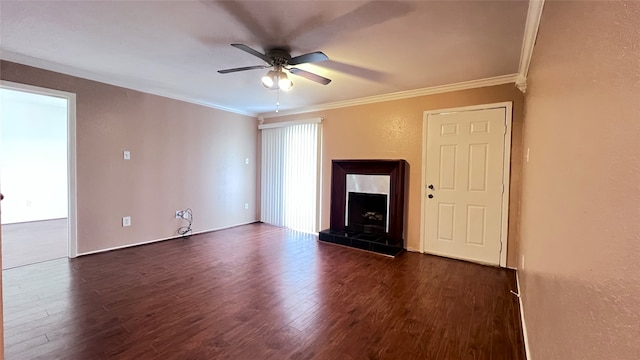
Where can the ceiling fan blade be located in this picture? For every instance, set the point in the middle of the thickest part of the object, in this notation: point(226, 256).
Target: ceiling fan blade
point(308, 58)
point(310, 76)
point(226, 71)
point(253, 52)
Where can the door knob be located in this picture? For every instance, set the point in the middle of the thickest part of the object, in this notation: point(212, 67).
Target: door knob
point(430, 196)
point(430, 186)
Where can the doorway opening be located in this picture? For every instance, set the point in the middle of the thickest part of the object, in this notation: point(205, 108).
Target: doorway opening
point(37, 174)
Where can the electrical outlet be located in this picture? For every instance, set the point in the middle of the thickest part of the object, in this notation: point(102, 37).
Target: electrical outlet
point(179, 214)
point(246, 161)
point(246, 206)
point(527, 155)
point(126, 221)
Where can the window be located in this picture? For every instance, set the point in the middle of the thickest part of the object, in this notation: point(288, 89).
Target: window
point(290, 172)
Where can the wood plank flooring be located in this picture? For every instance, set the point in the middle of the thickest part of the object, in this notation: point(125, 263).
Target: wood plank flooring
point(259, 292)
point(33, 242)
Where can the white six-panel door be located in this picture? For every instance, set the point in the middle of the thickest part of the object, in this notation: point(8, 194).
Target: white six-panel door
point(464, 184)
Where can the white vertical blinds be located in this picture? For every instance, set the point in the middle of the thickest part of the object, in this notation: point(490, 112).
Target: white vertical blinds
point(272, 189)
point(290, 176)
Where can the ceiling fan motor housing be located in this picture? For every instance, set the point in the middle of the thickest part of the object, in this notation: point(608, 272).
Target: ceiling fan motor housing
point(280, 57)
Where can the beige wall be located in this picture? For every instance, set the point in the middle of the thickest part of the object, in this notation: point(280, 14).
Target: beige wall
point(182, 155)
point(393, 130)
point(580, 227)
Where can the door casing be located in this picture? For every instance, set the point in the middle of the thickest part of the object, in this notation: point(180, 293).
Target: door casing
point(508, 106)
point(71, 155)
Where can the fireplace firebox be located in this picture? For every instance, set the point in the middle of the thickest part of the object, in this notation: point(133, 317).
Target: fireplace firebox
point(367, 214)
point(367, 205)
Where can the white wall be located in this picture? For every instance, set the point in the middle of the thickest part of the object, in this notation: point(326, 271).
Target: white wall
point(33, 156)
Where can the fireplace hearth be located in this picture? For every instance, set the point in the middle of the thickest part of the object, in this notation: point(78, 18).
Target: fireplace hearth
point(367, 205)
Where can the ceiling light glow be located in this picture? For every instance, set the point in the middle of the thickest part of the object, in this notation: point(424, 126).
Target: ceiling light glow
point(277, 79)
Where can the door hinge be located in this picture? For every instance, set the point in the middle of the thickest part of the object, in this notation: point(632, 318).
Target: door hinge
point(500, 247)
point(503, 188)
point(504, 130)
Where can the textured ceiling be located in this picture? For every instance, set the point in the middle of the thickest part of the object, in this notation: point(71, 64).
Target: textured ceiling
point(174, 48)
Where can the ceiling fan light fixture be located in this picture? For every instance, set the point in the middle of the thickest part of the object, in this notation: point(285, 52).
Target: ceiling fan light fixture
point(284, 82)
point(269, 80)
point(277, 79)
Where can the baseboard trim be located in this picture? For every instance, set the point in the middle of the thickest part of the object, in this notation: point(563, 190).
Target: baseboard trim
point(163, 239)
point(524, 325)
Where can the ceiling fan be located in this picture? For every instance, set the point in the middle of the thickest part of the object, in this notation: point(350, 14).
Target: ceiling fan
point(280, 60)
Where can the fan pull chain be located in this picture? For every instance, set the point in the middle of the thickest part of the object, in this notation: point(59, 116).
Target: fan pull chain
point(278, 100)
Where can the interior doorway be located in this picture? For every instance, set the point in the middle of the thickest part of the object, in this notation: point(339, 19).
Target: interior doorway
point(37, 174)
point(466, 163)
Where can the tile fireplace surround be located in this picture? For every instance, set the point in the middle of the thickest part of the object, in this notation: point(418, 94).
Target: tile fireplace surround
point(366, 176)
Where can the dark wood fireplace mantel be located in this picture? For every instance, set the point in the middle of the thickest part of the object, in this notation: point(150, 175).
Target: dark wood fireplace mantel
point(392, 242)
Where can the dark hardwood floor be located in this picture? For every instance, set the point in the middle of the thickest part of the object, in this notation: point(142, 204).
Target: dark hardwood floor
point(259, 292)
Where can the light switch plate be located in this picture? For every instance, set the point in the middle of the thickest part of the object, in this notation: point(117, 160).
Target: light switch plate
point(127, 155)
point(126, 221)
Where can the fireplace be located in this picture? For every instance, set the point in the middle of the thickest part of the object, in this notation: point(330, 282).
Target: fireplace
point(367, 214)
point(367, 205)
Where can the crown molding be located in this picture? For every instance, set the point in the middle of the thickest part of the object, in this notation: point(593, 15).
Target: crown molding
point(534, 14)
point(521, 83)
point(466, 85)
point(90, 75)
